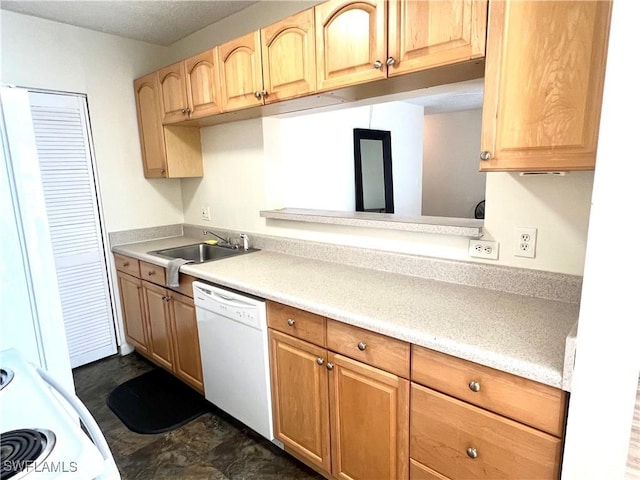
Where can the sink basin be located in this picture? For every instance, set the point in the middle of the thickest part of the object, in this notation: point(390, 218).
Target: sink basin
point(200, 252)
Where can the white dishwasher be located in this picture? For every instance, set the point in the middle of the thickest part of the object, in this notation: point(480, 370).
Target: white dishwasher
point(232, 330)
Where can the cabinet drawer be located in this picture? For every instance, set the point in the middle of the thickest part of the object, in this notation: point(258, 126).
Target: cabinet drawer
point(526, 401)
point(152, 273)
point(460, 440)
point(417, 471)
point(127, 265)
point(296, 322)
point(369, 347)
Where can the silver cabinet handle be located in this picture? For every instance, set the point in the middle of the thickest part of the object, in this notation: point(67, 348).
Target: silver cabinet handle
point(362, 346)
point(472, 452)
point(291, 322)
point(258, 95)
point(474, 386)
point(391, 61)
point(377, 64)
point(265, 94)
point(329, 366)
point(319, 361)
point(184, 110)
point(485, 155)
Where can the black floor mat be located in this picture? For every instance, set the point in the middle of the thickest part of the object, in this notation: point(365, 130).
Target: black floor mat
point(155, 402)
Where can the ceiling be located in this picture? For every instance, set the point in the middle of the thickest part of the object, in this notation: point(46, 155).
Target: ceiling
point(160, 22)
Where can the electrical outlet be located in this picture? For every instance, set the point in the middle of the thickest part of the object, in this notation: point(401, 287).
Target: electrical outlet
point(483, 249)
point(205, 213)
point(526, 242)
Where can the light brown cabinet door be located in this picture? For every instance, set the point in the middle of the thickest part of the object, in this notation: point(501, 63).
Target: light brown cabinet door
point(202, 78)
point(289, 57)
point(543, 84)
point(186, 347)
point(351, 36)
point(300, 398)
point(459, 440)
point(241, 72)
point(173, 93)
point(430, 33)
point(156, 302)
point(132, 311)
point(147, 91)
point(369, 421)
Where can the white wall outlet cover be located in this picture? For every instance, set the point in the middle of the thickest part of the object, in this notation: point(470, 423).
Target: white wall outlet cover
point(525, 242)
point(205, 213)
point(484, 249)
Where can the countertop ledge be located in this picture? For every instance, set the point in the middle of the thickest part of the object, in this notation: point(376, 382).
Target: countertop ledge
point(517, 334)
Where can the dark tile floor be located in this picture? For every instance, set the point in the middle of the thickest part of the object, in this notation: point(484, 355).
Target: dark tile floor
point(213, 446)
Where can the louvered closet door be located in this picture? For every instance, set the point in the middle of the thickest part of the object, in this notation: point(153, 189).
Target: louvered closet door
point(61, 128)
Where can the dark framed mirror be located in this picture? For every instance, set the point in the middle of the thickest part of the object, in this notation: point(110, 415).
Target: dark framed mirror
point(373, 172)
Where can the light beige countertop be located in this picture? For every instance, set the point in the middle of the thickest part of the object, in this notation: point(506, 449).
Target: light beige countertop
point(517, 334)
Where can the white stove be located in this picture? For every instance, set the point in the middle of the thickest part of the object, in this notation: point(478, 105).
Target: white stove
point(40, 437)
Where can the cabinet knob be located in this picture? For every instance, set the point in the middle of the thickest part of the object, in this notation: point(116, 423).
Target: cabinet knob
point(164, 297)
point(151, 272)
point(391, 61)
point(319, 361)
point(486, 155)
point(472, 452)
point(162, 171)
point(329, 366)
point(291, 322)
point(125, 264)
point(257, 94)
point(362, 346)
point(184, 110)
point(474, 386)
point(265, 94)
point(377, 64)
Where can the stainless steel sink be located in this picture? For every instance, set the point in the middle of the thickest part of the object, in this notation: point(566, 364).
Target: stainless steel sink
point(200, 252)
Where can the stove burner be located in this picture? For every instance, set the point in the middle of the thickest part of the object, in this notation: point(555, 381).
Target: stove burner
point(21, 449)
point(5, 377)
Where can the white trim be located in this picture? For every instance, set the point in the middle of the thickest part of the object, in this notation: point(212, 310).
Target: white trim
point(608, 355)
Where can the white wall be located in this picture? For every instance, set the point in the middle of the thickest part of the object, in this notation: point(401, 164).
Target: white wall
point(42, 54)
point(315, 155)
point(608, 358)
point(286, 159)
point(452, 186)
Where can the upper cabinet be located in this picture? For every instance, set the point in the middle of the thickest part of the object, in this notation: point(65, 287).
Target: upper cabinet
point(191, 88)
point(203, 84)
point(241, 72)
point(147, 90)
point(289, 57)
point(425, 34)
point(356, 43)
point(167, 150)
point(351, 42)
point(543, 85)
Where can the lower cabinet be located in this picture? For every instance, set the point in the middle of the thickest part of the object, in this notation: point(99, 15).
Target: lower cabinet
point(460, 440)
point(160, 322)
point(133, 311)
point(156, 302)
point(471, 421)
point(184, 332)
point(348, 419)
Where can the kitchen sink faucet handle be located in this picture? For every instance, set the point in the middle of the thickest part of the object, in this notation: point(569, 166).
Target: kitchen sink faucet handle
point(245, 241)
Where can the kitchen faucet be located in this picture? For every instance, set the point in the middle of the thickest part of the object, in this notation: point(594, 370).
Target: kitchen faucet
point(225, 242)
point(245, 241)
